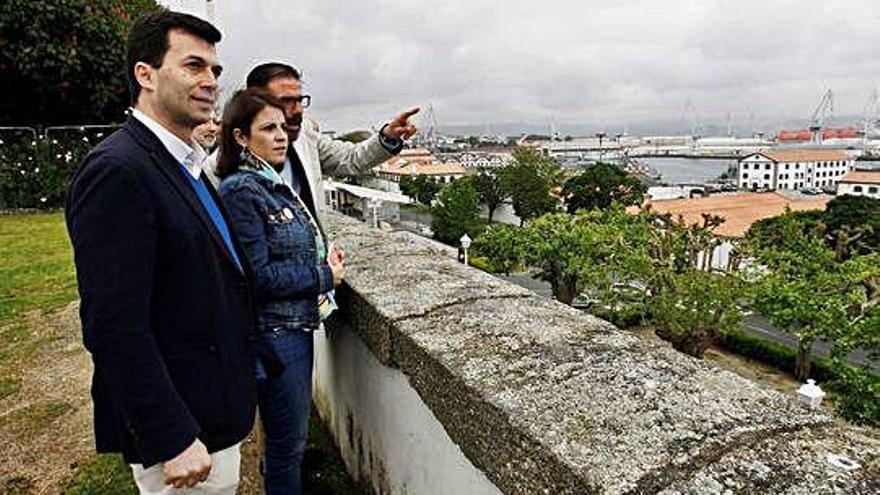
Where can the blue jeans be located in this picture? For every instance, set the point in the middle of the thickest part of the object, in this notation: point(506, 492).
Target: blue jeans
point(285, 402)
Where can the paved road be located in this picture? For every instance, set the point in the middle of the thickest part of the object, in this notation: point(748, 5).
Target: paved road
point(758, 325)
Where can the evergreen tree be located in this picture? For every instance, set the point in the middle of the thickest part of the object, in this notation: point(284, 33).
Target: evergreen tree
point(456, 212)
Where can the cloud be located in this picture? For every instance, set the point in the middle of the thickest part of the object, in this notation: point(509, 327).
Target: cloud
point(573, 62)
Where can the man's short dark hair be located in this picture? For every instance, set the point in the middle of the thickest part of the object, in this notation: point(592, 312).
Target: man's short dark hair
point(261, 75)
point(148, 40)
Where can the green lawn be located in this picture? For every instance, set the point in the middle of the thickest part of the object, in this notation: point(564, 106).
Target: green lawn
point(36, 271)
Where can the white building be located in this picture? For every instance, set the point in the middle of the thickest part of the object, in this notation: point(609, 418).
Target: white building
point(363, 203)
point(794, 169)
point(482, 159)
point(413, 162)
point(860, 183)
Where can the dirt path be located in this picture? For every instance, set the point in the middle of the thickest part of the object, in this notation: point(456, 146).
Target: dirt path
point(45, 425)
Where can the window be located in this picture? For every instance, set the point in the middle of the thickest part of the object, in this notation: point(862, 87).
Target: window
point(857, 188)
point(872, 190)
point(767, 167)
point(786, 166)
point(745, 176)
point(766, 176)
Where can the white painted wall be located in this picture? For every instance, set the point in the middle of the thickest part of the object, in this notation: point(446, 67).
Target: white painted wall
point(870, 190)
point(758, 171)
point(410, 451)
point(720, 256)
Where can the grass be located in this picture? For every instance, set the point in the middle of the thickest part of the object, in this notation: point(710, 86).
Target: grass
point(37, 269)
point(17, 485)
point(104, 473)
point(37, 273)
point(8, 386)
point(34, 419)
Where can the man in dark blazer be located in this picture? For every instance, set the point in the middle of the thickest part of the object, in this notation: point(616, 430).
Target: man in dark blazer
point(166, 302)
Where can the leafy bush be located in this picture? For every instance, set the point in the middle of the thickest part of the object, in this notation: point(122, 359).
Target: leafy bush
point(35, 168)
point(856, 390)
point(857, 395)
point(774, 353)
point(63, 60)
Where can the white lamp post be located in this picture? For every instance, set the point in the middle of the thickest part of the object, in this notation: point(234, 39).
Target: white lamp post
point(374, 204)
point(465, 244)
point(810, 394)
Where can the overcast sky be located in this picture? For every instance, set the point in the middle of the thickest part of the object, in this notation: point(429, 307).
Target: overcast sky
point(582, 64)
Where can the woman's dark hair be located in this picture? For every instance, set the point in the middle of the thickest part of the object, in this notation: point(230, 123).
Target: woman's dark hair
point(148, 40)
point(239, 114)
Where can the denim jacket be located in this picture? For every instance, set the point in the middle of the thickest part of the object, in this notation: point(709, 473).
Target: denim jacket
point(280, 243)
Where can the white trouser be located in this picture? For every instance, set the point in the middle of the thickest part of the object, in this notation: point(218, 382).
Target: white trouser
point(223, 479)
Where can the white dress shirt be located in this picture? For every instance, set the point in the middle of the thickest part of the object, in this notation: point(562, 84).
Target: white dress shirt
point(190, 155)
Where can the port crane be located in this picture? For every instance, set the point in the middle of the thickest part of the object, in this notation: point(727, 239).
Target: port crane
point(869, 124)
point(821, 115)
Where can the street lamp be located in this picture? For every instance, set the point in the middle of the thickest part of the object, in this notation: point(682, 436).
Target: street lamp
point(601, 136)
point(810, 394)
point(374, 204)
point(465, 244)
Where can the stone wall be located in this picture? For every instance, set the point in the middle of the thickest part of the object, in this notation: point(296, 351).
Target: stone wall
point(439, 378)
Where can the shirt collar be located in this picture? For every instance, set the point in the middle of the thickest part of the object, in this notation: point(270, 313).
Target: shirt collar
point(190, 155)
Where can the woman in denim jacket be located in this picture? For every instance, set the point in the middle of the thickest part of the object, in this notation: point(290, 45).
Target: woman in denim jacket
point(291, 268)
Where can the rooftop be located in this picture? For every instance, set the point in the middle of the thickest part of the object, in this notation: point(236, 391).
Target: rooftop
point(419, 162)
point(739, 210)
point(791, 156)
point(367, 193)
point(862, 177)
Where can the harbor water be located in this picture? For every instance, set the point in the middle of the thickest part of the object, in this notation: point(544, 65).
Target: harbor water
point(688, 170)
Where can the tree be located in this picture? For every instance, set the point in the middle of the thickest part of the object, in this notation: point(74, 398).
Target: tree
point(601, 185)
point(808, 292)
point(491, 190)
point(691, 307)
point(853, 225)
point(62, 61)
point(529, 180)
point(779, 230)
point(560, 246)
point(502, 246)
point(695, 308)
point(456, 212)
point(831, 303)
point(596, 250)
point(420, 188)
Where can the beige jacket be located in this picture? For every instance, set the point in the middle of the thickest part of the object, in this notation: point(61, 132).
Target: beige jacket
point(321, 155)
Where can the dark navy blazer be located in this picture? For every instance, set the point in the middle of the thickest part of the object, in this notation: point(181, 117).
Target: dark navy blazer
point(166, 313)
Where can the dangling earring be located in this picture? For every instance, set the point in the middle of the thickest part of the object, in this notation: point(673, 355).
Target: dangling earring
point(244, 155)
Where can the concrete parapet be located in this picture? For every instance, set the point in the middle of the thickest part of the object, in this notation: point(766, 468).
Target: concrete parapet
point(541, 398)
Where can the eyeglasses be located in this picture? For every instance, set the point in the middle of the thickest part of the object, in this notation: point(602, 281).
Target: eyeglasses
point(304, 100)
